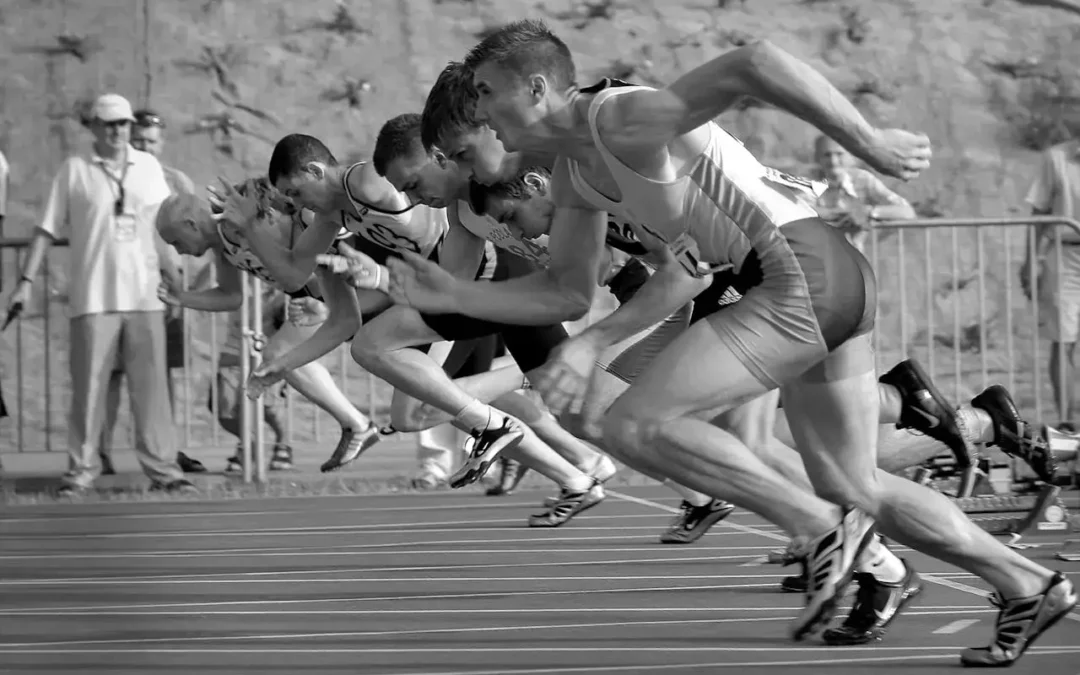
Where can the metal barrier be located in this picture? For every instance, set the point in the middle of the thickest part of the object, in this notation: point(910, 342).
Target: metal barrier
point(900, 333)
point(980, 347)
point(34, 373)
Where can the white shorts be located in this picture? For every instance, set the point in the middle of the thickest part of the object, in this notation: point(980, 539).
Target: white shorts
point(1059, 311)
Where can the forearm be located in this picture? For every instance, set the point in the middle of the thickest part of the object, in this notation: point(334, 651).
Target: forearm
point(668, 289)
point(538, 299)
point(901, 211)
point(216, 299)
point(331, 334)
point(292, 270)
point(38, 247)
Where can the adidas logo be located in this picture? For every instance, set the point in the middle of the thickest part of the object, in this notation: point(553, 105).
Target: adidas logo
point(729, 297)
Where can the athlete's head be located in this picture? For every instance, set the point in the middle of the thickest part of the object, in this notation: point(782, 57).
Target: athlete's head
point(300, 170)
point(184, 222)
point(521, 72)
point(448, 124)
point(523, 204)
point(427, 177)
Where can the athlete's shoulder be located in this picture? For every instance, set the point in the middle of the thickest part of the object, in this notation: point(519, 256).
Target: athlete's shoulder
point(563, 193)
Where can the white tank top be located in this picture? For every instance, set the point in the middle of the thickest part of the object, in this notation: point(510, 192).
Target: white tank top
point(417, 228)
point(489, 229)
point(725, 205)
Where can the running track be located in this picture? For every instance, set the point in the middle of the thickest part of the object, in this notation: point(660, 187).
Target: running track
point(448, 583)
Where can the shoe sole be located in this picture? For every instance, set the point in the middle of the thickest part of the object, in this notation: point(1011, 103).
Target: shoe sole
point(476, 468)
point(827, 610)
point(700, 531)
point(333, 464)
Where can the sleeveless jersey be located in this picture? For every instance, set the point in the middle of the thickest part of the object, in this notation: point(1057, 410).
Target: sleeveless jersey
point(724, 206)
point(239, 254)
point(489, 229)
point(416, 228)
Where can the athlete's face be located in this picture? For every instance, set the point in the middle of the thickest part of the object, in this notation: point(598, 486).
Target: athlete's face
point(427, 179)
point(478, 154)
point(309, 188)
point(184, 235)
point(528, 218)
point(508, 102)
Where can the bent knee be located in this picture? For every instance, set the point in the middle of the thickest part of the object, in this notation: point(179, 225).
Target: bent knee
point(631, 429)
point(365, 350)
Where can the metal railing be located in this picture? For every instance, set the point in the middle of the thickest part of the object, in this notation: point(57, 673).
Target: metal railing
point(961, 321)
point(34, 376)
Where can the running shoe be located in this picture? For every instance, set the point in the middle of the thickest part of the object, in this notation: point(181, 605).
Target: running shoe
point(1020, 622)
point(483, 448)
point(512, 473)
point(602, 471)
point(831, 559)
point(352, 444)
point(1013, 435)
point(692, 522)
point(180, 486)
point(282, 457)
point(876, 604)
point(571, 504)
point(189, 464)
point(926, 410)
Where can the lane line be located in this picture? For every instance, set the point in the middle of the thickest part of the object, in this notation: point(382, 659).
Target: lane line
point(948, 583)
point(521, 649)
point(55, 612)
point(956, 626)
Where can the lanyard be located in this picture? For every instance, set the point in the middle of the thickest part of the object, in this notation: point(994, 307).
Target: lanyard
point(118, 205)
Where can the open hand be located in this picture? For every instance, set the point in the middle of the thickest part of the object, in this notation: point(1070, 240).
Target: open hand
point(228, 204)
point(358, 269)
point(262, 378)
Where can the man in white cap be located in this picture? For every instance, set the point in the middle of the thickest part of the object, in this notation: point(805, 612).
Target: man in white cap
point(105, 201)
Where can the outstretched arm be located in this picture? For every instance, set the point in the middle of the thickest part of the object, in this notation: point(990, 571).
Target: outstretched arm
point(225, 297)
point(768, 73)
point(343, 323)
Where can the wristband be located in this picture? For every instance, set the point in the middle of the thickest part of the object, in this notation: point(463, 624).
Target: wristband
point(380, 277)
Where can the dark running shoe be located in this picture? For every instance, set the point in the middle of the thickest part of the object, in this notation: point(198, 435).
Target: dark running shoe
point(189, 464)
point(876, 605)
point(569, 505)
point(1020, 622)
point(512, 474)
point(692, 522)
point(1014, 436)
point(925, 410)
point(351, 445)
point(180, 486)
point(830, 560)
point(796, 583)
point(484, 448)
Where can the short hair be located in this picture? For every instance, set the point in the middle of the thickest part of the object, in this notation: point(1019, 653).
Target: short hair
point(294, 152)
point(145, 117)
point(399, 137)
point(180, 207)
point(526, 47)
point(450, 105)
point(515, 188)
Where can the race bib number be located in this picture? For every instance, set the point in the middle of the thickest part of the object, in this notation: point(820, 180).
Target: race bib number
point(124, 227)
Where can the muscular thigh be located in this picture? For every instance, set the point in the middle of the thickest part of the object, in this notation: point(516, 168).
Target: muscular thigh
point(396, 328)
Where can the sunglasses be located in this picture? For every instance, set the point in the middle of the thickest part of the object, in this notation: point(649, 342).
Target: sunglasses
point(117, 124)
point(149, 120)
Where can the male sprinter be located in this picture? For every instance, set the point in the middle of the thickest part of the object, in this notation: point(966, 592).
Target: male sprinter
point(185, 223)
point(304, 169)
point(694, 195)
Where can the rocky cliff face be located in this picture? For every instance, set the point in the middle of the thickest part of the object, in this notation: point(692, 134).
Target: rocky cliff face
point(946, 67)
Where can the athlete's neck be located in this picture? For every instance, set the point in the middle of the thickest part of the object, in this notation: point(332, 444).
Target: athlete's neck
point(338, 198)
point(563, 131)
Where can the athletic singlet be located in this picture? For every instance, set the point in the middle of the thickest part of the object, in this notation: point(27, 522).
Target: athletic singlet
point(239, 253)
point(725, 206)
point(489, 229)
point(417, 228)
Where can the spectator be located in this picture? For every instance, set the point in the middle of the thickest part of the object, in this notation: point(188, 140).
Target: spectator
point(1056, 191)
point(105, 202)
point(856, 199)
point(148, 135)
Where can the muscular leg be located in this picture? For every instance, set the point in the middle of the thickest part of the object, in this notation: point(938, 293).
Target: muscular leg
point(829, 420)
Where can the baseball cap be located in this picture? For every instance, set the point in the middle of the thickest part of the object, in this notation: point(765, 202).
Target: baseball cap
point(112, 108)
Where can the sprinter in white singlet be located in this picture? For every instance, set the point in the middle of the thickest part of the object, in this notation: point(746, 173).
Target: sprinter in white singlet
point(803, 325)
point(185, 222)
